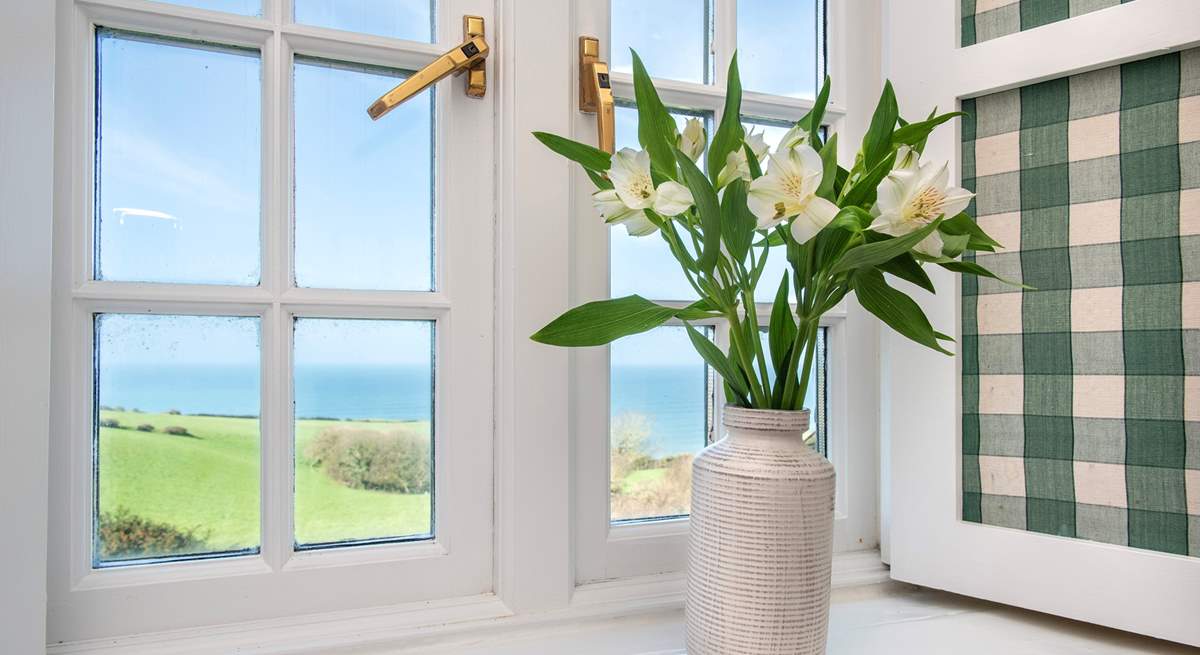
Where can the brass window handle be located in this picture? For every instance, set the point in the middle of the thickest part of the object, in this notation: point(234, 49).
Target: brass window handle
point(467, 57)
point(595, 91)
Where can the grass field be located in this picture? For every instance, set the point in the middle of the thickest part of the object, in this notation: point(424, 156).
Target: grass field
point(209, 480)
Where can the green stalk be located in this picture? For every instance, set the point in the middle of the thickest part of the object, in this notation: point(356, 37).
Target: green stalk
point(735, 331)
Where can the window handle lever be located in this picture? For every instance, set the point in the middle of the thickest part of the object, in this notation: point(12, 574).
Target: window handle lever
point(595, 91)
point(466, 57)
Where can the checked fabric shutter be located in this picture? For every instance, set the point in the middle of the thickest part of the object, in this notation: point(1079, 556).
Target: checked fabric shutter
point(1081, 398)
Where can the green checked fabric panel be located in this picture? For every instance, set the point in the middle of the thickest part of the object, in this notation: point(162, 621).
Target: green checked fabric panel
point(1081, 398)
point(983, 20)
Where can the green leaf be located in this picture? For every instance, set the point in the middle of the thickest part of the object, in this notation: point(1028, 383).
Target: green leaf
point(907, 268)
point(962, 223)
point(811, 121)
point(832, 238)
point(656, 128)
point(971, 268)
point(865, 188)
point(592, 159)
point(829, 168)
point(873, 254)
point(599, 180)
point(771, 240)
point(737, 223)
point(709, 209)
point(604, 321)
point(914, 134)
point(894, 308)
point(953, 245)
point(730, 134)
point(877, 143)
point(716, 359)
point(697, 311)
point(781, 331)
point(752, 162)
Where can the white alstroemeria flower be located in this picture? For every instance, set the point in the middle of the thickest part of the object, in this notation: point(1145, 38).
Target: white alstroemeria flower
point(906, 158)
point(758, 144)
point(736, 165)
point(789, 189)
point(911, 198)
point(615, 212)
point(796, 136)
point(633, 191)
point(693, 139)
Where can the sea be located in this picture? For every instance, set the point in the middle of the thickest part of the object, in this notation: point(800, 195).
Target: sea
point(672, 399)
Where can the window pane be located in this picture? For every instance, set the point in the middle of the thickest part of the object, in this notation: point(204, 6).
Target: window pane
point(398, 19)
point(178, 146)
point(243, 7)
point(177, 403)
point(659, 420)
point(364, 189)
point(814, 399)
point(364, 412)
point(644, 265)
point(777, 46)
point(671, 37)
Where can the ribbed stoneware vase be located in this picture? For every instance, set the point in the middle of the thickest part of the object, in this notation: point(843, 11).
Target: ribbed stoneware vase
point(760, 548)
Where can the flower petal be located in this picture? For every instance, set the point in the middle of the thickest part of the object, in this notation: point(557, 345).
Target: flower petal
point(930, 245)
point(637, 225)
point(765, 199)
point(672, 199)
point(956, 201)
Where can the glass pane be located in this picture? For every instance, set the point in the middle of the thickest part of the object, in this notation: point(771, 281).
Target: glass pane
point(398, 19)
point(178, 148)
point(364, 189)
point(177, 437)
point(364, 413)
point(659, 420)
point(778, 46)
point(814, 399)
point(644, 265)
point(243, 7)
point(671, 37)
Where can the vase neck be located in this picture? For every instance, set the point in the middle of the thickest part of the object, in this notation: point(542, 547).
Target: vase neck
point(769, 424)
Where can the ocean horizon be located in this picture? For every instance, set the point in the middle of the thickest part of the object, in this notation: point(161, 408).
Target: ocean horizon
point(673, 399)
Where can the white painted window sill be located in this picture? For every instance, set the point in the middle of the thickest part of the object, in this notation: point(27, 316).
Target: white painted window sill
point(891, 618)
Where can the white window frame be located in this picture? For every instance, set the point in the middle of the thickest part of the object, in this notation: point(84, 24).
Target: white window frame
point(89, 603)
point(607, 551)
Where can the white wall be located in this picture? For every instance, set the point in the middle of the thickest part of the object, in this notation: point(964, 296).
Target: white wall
point(26, 205)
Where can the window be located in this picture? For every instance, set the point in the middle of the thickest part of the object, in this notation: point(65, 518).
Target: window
point(262, 330)
point(663, 404)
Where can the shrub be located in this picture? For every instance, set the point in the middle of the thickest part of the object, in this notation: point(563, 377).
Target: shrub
point(669, 495)
point(145, 427)
point(122, 535)
point(174, 412)
point(177, 430)
point(628, 436)
point(396, 461)
point(110, 423)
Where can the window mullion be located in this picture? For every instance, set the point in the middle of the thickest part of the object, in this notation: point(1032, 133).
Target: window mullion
point(724, 38)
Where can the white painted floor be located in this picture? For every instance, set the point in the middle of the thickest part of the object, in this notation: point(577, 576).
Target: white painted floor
point(891, 618)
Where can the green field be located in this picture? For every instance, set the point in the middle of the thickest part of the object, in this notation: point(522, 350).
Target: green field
point(209, 480)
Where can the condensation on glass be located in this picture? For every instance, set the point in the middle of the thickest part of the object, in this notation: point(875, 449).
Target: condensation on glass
point(413, 20)
point(644, 265)
point(364, 461)
point(780, 46)
point(177, 183)
point(364, 201)
point(176, 437)
point(672, 37)
point(661, 395)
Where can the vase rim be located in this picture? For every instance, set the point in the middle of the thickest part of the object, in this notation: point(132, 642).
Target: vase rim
point(770, 420)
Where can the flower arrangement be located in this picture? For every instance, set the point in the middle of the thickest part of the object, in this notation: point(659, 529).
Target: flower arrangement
point(840, 229)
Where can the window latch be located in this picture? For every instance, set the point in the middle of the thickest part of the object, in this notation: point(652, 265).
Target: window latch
point(595, 91)
point(467, 57)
